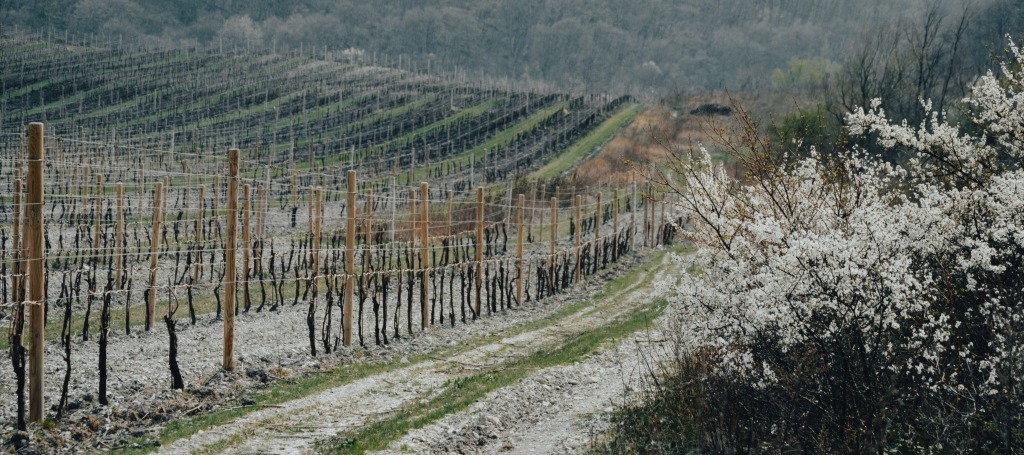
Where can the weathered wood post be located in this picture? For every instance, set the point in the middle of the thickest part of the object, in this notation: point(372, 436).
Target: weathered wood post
point(154, 252)
point(36, 292)
point(424, 256)
point(350, 257)
point(519, 250)
point(230, 277)
point(478, 276)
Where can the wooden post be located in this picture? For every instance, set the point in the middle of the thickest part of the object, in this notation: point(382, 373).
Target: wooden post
point(36, 292)
point(579, 236)
point(350, 257)
point(246, 244)
point(479, 247)
point(230, 277)
point(424, 252)
point(519, 250)
point(154, 251)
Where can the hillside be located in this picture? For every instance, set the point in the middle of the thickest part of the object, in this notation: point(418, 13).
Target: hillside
point(286, 108)
point(363, 215)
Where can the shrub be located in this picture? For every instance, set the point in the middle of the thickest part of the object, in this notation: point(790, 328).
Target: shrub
point(853, 305)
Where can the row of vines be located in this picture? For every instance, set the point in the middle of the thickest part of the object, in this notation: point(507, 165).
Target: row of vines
point(377, 202)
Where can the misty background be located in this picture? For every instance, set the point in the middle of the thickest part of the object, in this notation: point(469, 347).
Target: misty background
point(649, 48)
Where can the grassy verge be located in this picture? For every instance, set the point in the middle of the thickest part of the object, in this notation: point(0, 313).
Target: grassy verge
point(463, 392)
point(600, 135)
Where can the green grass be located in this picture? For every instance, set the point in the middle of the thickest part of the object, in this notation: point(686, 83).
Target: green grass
point(462, 392)
point(578, 151)
point(508, 135)
point(501, 138)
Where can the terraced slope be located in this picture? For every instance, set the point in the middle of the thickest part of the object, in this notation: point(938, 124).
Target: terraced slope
point(286, 108)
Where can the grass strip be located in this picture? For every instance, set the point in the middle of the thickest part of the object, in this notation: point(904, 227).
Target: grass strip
point(579, 150)
point(463, 392)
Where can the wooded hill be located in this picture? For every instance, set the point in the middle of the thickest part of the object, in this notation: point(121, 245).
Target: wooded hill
point(641, 47)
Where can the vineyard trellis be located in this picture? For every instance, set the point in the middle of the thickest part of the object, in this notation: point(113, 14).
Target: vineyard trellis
point(449, 255)
point(142, 216)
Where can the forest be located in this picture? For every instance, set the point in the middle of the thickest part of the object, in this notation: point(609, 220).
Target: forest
point(647, 48)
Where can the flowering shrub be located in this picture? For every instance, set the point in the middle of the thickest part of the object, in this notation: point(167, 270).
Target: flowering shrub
point(855, 305)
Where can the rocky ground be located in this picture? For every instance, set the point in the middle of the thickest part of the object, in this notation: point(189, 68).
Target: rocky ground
point(273, 347)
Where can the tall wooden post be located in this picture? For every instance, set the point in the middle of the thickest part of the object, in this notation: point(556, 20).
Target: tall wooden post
point(519, 250)
point(424, 253)
point(154, 251)
point(479, 247)
point(350, 257)
point(36, 292)
point(230, 276)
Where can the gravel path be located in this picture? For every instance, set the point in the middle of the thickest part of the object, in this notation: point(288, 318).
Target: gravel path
point(297, 425)
point(554, 411)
